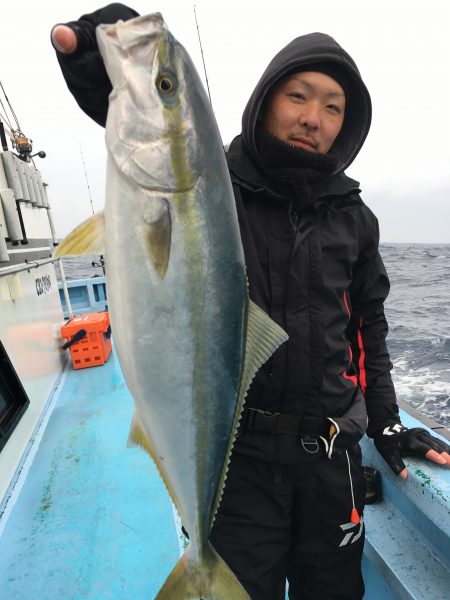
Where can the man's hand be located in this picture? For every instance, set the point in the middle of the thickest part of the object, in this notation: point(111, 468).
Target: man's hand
point(81, 64)
point(395, 441)
point(79, 35)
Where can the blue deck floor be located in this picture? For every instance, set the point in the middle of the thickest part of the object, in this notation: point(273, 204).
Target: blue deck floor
point(93, 519)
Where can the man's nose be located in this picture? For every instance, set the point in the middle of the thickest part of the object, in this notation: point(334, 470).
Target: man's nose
point(310, 117)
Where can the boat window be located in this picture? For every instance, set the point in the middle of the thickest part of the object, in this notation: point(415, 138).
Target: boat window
point(13, 398)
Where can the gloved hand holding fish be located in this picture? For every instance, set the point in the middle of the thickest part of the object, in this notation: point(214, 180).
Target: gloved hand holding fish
point(188, 338)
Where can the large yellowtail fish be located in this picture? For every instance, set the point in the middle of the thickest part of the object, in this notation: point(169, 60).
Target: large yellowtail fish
point(188, 338)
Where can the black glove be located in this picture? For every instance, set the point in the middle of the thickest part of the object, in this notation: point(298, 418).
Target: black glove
point(395, 441)
point(84, 70)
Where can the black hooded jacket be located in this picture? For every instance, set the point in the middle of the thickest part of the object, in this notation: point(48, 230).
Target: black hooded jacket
point(320, 276)
point(322, 280)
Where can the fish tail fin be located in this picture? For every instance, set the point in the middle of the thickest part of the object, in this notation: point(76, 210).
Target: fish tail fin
point(211, 579)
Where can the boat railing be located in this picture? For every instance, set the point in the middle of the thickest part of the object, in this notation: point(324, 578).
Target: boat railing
point(26, 266)
point(407, 547)
point(86, 295)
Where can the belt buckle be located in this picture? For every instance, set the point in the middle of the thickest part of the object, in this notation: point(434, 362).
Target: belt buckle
point(305, 442)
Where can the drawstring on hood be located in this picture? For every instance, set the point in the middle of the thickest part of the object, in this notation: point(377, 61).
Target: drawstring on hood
point(301, 55)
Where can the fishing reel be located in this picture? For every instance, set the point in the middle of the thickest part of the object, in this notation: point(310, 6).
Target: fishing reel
point(100, 264)
point(24, 146)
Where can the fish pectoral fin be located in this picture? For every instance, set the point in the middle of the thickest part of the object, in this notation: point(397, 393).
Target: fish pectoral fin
point(87, 238)
point(263, 337)
point(158, 236)
point(138, 437)
point(209, 579)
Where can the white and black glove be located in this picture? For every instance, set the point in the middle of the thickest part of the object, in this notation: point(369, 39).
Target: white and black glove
point(395, 441)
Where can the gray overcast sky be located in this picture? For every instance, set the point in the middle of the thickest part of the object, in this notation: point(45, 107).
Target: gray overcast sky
point(402, 49)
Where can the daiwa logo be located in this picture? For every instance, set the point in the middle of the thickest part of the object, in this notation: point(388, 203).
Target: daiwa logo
point(352, 536)
point(393, 429)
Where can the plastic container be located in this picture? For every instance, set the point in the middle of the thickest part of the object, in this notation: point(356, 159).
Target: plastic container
point(89, 339)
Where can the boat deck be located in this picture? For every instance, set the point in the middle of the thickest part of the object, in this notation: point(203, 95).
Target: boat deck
point(92, 519)
point(89, 518)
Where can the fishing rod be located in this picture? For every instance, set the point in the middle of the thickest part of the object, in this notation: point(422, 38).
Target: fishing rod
point(20, 141)
point(24, 146)
point(225, 146)
point(87, 180)
point(10, 108)
point(102, 259)
point(203, 58)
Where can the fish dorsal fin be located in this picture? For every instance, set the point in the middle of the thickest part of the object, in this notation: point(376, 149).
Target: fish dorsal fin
point(138, 437)
point(263, 337)
point(87, 238)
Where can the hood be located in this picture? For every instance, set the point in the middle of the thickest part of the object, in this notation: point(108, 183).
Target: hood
point(300, 55)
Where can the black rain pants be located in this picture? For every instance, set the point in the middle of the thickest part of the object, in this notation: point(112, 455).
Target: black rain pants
point(278, 522)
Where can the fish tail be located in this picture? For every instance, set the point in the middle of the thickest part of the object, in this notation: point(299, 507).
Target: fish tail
point(210, 579)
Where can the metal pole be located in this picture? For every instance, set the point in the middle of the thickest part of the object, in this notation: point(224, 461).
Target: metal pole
point(61, 268)
point(50, 219)
point(27, 266)
point(2, 136)
point(35, 265)
point(65, 290)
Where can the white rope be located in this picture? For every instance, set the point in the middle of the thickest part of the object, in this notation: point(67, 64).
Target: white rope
point(351, 481)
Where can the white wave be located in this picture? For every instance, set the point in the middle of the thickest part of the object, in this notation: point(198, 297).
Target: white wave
point(424, 387)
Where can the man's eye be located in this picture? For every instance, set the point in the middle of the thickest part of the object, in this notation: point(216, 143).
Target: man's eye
point(335, 108)
point(296, 95)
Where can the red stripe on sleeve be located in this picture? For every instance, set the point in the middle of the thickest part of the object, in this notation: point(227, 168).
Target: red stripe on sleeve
point(346, 375)
point(351, 377)
point(362, 358)
point(346, 303)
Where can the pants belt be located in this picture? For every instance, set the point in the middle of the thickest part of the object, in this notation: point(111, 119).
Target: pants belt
point(281, 424)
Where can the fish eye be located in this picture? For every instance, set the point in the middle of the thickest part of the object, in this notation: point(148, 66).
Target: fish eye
point(165, 84)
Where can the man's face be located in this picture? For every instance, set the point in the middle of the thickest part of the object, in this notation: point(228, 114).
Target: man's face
point(306, 110)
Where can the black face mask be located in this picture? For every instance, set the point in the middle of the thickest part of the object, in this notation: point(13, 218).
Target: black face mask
point(291, 171)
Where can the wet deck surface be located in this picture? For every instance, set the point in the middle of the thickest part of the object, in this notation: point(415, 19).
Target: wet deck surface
point(93, 519)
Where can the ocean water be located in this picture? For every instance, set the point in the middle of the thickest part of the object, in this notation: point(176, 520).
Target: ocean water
point(418, 312)
point(81, 267)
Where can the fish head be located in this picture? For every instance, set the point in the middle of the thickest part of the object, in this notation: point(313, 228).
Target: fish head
point(151, 129)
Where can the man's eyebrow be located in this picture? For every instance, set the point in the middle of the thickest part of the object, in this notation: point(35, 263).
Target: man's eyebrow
point(336, 94)
point(311, 88)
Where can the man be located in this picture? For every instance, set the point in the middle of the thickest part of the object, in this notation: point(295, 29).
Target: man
point(295, 488)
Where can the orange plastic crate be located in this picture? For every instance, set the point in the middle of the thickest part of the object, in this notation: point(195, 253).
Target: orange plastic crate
point(95, 347)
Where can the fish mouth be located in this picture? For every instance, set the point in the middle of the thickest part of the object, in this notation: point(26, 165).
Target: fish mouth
point(135, 32)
